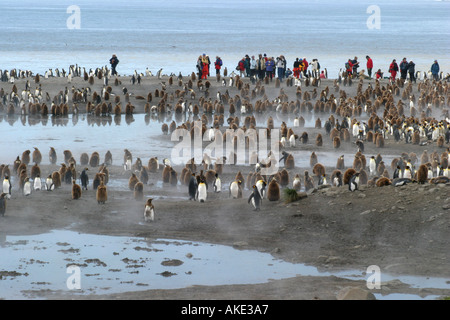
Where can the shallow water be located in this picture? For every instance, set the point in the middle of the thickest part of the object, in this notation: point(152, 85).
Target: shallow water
point(114, 264)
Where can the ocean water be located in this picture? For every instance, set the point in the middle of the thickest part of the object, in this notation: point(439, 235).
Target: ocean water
point(172, 34)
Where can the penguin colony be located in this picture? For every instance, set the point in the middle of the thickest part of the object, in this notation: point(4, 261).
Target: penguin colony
point(339, 118)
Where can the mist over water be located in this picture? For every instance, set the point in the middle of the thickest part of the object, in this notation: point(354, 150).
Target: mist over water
point(172, 34)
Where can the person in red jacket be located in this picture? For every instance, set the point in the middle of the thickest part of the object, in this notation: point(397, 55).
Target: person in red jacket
point(349, 67)
point(393, 68)
point(305, 67)
point(369, 66)
point(379, 74)
point(205, 71)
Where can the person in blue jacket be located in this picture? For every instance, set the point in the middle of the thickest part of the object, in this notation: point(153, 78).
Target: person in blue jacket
point(435, 70)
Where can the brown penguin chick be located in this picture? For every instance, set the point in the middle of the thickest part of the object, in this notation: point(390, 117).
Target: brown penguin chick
point(313, 159)
point(108, 158)
point(336, 142)
point(153, 165)
point(383, 181)
point(210, 176)
point(379, 141)
point(52, 157)
point(424, 158)
point(363, 177)
point(22, 177)
point(94, 160)
point(37, 156)
point(415, 137)
point(422, 174)
point(35, 171)
point(249, 182)
point(308, 181)
point(273, 190)
point(340, 164)
point(187, 177)
point(132, 181)
point(318, 170)
point(101, 193)
point(84, 159)
point(6, 172)
point(284, 178)
point(289, 163)
point(304, 137)
point(173, 179)
point(56, 178)
point(76, 190)
point(357, 164)
point(348, 174)
point(139, 191)
point(62, 170)
point(127, 156)
point(26, 157)
point(440, 142)
point(166, 174)
point(239, 176)
point(67, 156)
point(381, 167)
point(99, 177)
point(319, 140)
point(16, 165)
point(104, 170)
point(21, 167)
point(165, 128)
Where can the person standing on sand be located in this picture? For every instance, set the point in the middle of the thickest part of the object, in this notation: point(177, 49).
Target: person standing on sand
point(296, 68)
point(253, 67)
point(247, 65)
point(205, 62)
point(412, 71)
point(261, 66)
point(241, 67)
point(199, 67)
point(218, 65)
point(403, 69)
point(393, 68)
point(114, 62)
point(305, 67)
point(349, 67)
point(280, 68)
point(369, 66)
point(435, 70)
point(270, 66)
point(379, 74)
point(355, 66)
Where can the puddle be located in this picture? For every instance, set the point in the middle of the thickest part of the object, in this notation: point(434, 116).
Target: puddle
point(113, 264)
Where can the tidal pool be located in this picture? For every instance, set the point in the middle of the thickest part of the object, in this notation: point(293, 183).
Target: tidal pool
point(61, 260)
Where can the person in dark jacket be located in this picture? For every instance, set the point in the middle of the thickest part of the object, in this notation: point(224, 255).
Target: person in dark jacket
point(114, 62)
point(435, 70)
point(403, 69)
point(412, 71)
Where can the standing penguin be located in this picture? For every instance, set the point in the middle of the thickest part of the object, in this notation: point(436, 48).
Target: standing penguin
point(273, 193)
point(49, 185)
point(353, 183)
point(149, 211)
point(37, 183)
point(201, 191)
point(372, 166)
point(76, 190)
point(3, 204)
point(236, 189)
point(261, 185)
point(297, 184)
point(217, 184)
point(192, 188)
point(255, 198)
point(52, 155)
point(84, 178)
point(27, 187)
point(102, 193)
point(7, 187)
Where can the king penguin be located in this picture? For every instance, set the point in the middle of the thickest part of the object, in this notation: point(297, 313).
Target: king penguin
point(261, 185)
point(149, 211)
point(255, 198)
point(27, 187)
point(353, 183)
point(192, 188)
point(217, 184)
point(7, 187)
point(84, 178)
point(201, 191)
point(37, 183)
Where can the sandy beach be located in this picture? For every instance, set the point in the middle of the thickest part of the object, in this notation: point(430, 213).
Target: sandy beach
point(403, 230)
